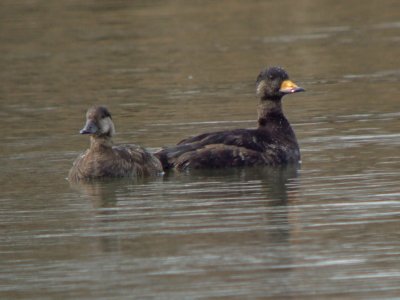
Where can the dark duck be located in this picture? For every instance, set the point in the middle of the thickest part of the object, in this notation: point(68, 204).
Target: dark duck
point(272, 143)
point(103, 159)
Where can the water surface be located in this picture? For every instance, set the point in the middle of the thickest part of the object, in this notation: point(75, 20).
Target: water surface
point(168, 69)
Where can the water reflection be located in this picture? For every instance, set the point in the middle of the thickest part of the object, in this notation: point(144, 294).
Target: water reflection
point(203, 224)
point(103, 193)
point(217, 201)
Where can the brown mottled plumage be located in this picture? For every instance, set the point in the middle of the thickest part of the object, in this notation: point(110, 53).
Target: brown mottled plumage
point(103, 159)
point(273, 142)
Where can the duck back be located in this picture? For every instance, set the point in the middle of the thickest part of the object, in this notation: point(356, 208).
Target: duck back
point(117, 161)
point(235, 148)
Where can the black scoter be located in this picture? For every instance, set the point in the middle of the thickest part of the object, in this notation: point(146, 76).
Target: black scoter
point(103, 159)
point(272, 143)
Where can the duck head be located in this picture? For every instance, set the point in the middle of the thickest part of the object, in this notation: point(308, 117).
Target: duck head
point(273, 83)
point(98, 122)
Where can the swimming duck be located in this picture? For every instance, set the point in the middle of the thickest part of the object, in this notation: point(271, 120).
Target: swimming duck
point(272, 143)
point(103, 159)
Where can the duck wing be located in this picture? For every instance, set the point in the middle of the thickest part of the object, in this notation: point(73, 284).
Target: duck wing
point(247, 138)
point(216, 146)
point(136, 160)
point(218, 156)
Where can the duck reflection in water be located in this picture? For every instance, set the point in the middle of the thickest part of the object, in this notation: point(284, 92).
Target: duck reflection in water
point(232, 209)
point(272, 143)
point(103, 159)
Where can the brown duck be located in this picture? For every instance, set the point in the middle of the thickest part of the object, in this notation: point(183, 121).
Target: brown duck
point(103, 159)
point(272, 143)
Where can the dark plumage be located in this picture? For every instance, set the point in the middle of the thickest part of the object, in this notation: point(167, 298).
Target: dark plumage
point(273, 142)
point(103, 159)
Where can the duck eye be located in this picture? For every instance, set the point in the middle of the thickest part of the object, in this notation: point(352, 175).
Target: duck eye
point(104, 116)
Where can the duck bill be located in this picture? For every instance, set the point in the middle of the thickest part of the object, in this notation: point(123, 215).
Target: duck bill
point(89, 128)
point(289, 87)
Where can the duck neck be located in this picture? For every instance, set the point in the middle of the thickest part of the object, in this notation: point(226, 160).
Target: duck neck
point(100, 142)
point(268, 108)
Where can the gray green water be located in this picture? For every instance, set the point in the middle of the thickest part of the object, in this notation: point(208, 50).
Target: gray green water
point(169, 69)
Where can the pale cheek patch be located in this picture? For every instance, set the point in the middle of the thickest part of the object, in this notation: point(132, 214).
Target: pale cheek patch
point(106, 126)
point(261, 88)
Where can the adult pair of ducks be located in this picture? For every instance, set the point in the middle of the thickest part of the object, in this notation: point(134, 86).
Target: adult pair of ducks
point(273, 142)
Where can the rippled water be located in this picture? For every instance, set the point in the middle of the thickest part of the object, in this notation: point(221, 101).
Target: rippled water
point(168, 69)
